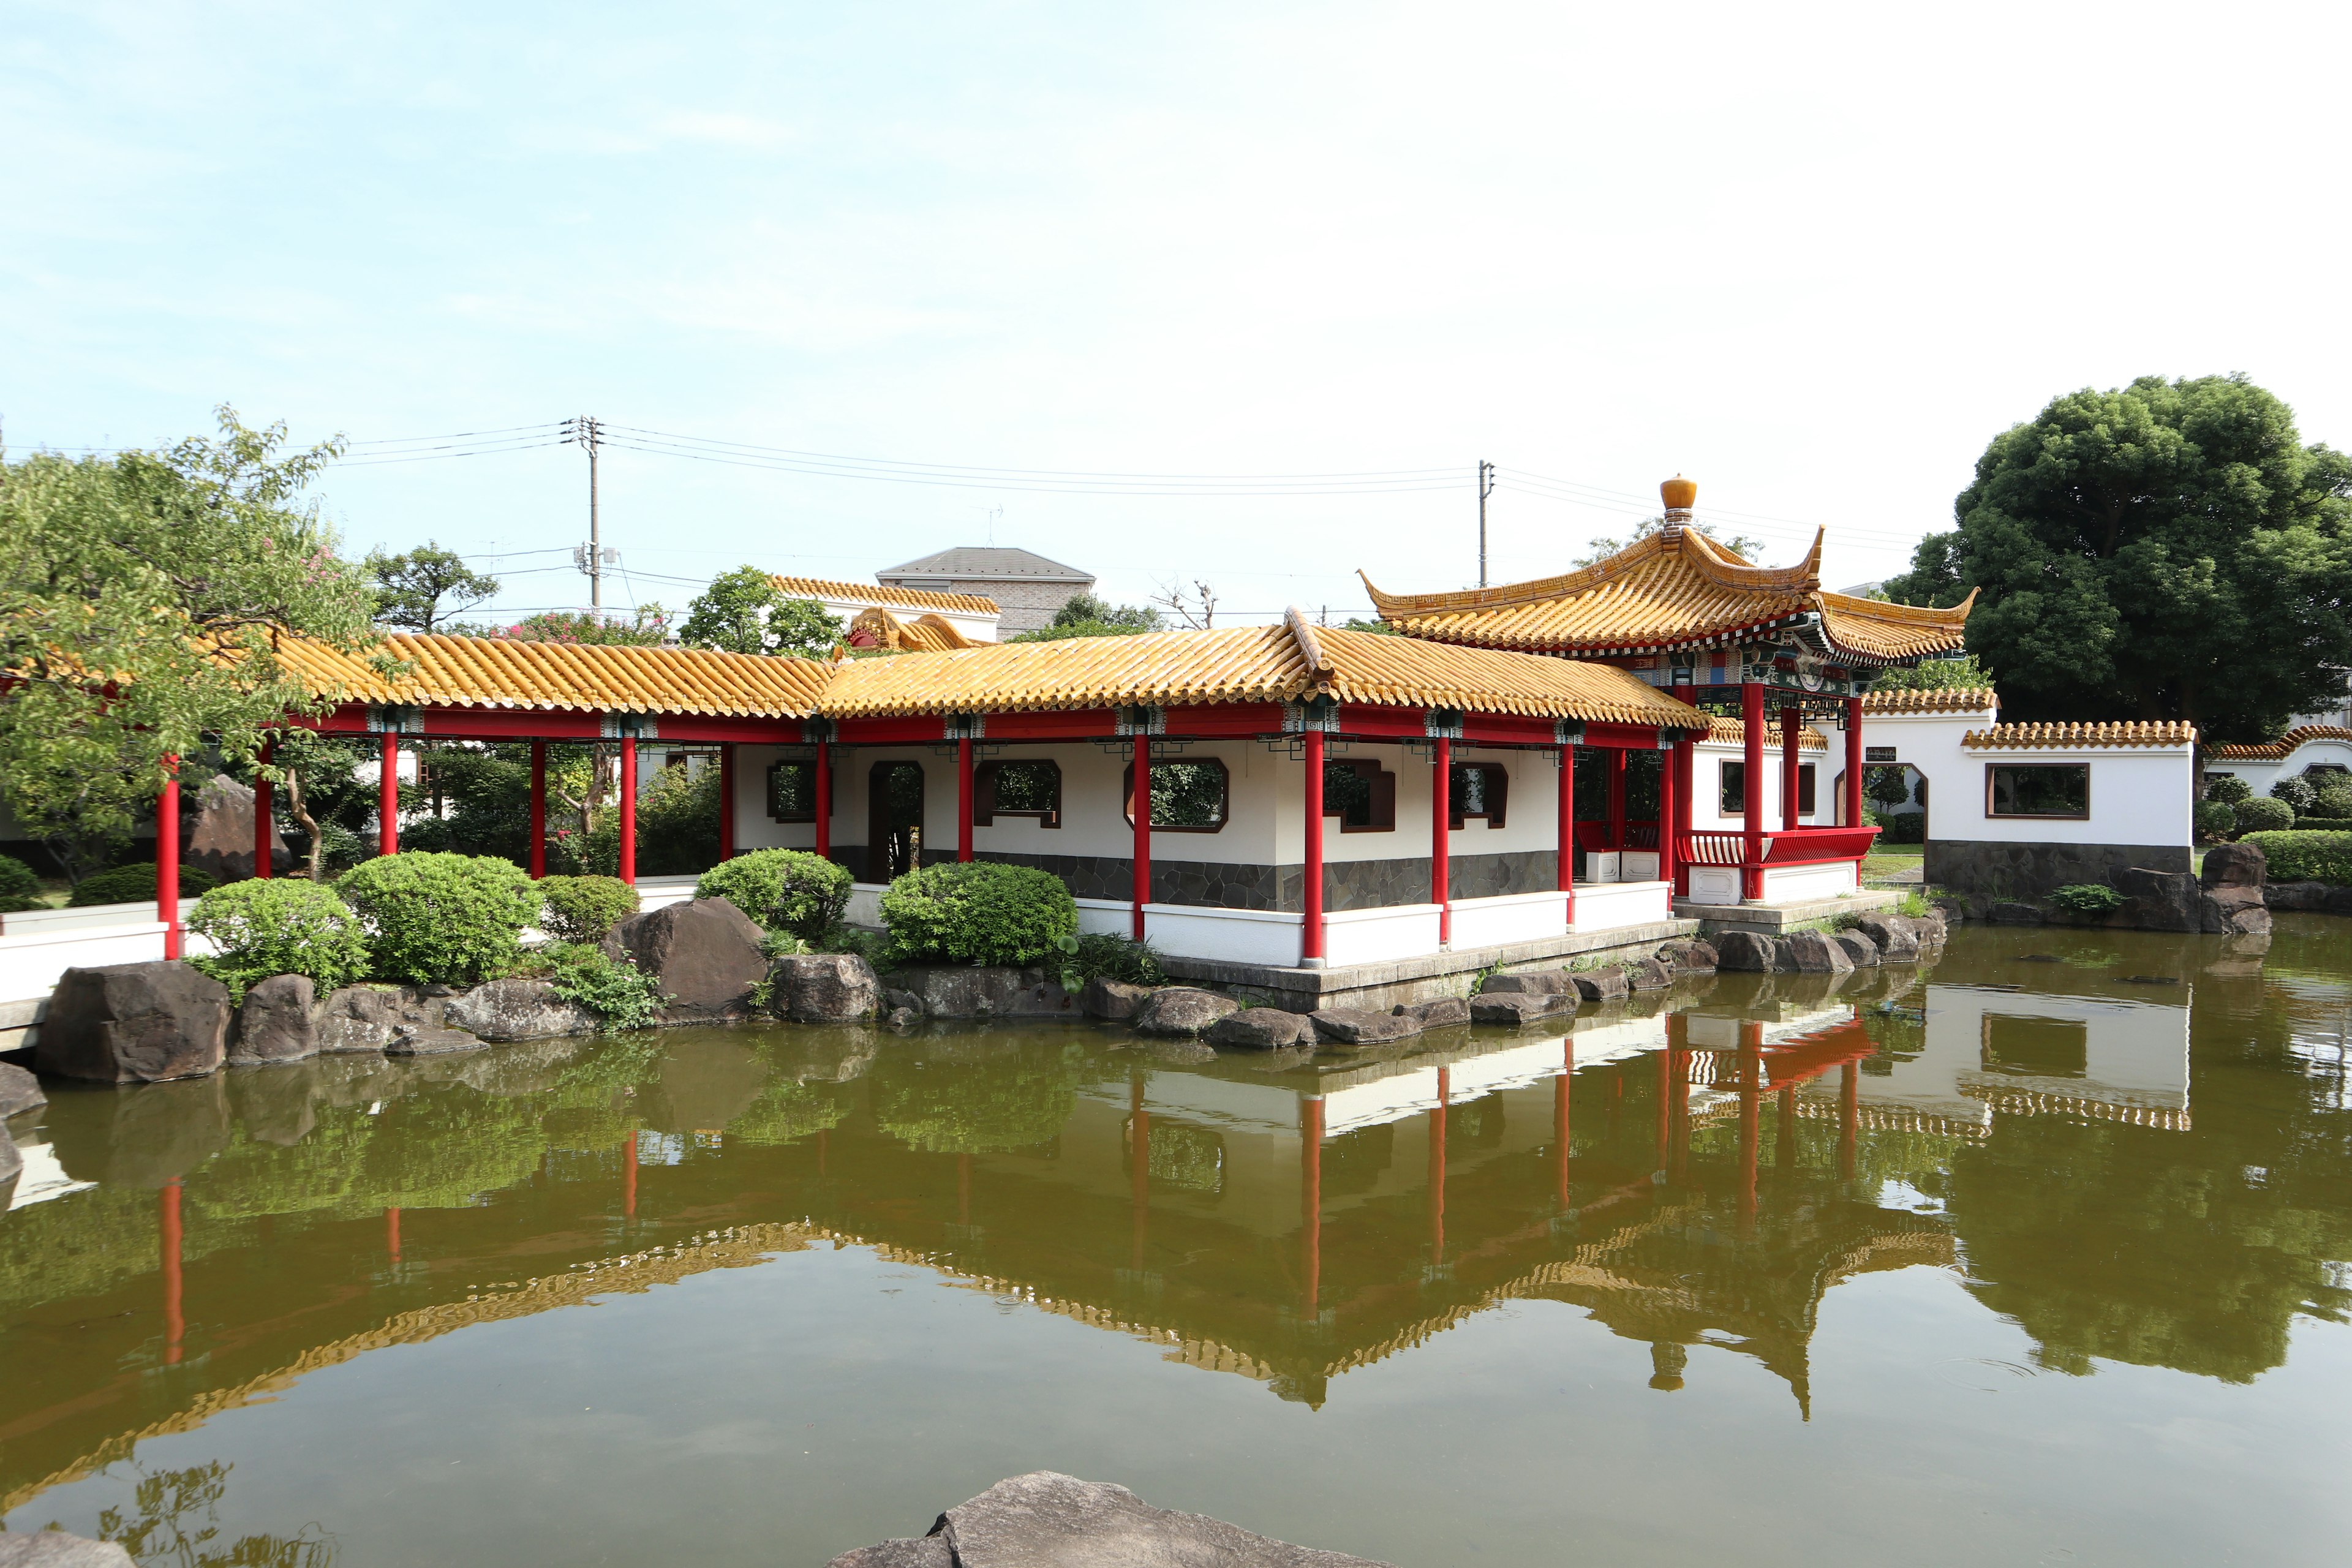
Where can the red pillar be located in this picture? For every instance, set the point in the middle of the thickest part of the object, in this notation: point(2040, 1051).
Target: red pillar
point(825, 799)
point(387, 797)
point(1751, 716)
point(1437, 1170)
point(1141, 892)
point(1685, 788)
point(1138, 1122)
point(1440, 839)
point(175, 1323)
point(391, 1233)
point(628, 808)
point(1310, 928)
point(1560, 1092)
point(629, 1176)
point(1564, 873)
point(963, 798)
point(1790, 729)
point(1669, 847)
point(1849, 1115)
point(167, 876)
point(263, 829)
point(726, 802)
point(1751, 1091)
point(1853, 761)
point(1310, 1207)
point(537, 809)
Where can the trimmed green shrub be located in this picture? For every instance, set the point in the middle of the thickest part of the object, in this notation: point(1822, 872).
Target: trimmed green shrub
point(19, 888)
point(2229, 789)
point(788, 890)
point(2216, 820)
point(2300, 857)
point(455, 919)
point(2324, 824)
point(2086, 898)
point(284, 925)
point(1107, 957)
point(1902, 827)
point(979, 911)
point(615, 990)
point(2333, 798)
point(2298, 794)
point(136, 885)
point(585, 908)
point(2255, 814)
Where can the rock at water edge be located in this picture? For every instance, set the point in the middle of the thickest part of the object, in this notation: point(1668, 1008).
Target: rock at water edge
point(134, 1023)
point(1510, 1008)
point(19, 1090)
point(826, 988)
point(1183, 1010)
point(56, 1549)
point(1115, 999)
point(1538, 983)
point(509, 1010)
point(277, 1021)
point(1860, 950)
point(1812, 953)
point(1262, 1029)
point(1436, 1013)
point(2234, 866)
point(704, 953)
point(1608, 985)
point(1745, 952)
point(1362, 1026)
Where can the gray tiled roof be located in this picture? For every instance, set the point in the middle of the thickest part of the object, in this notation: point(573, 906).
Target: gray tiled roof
point(976, 562)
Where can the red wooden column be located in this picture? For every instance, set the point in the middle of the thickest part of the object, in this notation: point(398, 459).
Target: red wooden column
point(167, 878)
point(825, 799)
point(1751, 1093)
point(392, 1234)
point(1849, 1115)
point(1310, 1207)
point(537, 809)
point(1440, 839)
point(628, 808)
point(1437, 1169)
point(629, 1175)
point(1669, 846)
point(1853, 761)
point(1141, 876)
point(1751, 717)
point(175, 1321)
point(1791, 730)
point(387, 797)
point(726, 802)
point(1686, 792)
point(1138, 1179)
point(1310, 928)
point(963, 798)
point(1564, 873)
point(263, 829)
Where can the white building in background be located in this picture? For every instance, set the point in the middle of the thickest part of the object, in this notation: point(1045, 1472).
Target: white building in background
point(1026, 586)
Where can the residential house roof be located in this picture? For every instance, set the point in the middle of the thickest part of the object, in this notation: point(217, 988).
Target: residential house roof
point(988, 563)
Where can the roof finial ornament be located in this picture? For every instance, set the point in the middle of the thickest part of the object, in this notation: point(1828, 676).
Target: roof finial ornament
point(1679, 495)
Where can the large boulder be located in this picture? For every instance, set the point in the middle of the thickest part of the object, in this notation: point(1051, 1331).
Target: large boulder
point(2158, 901)
point(359, 1019)
point(1536, 983)
point(432, 1040)
point(277, 1021)
point(1607, 984)
point(704, 953)
point(2324, 898)
point(220, 839)
point(1747, 953)
point(508, 1010)
point(1896, 936)
point(1437, 1013)
point(1362, 1026)
point(964, 991)
point(1688, 955)
point(826, 988)
point(134, 1023)
point(1262, 1029)
point(56, 1549)
point(1859, 949)
point(1649, 975)
point(2234, 866)
point(19, 1091)
point(1115, 999)
point(1183, 1010)
point(2233, 908)
point(1514, 1007)
point(1046, 1520)
point(1812, 953)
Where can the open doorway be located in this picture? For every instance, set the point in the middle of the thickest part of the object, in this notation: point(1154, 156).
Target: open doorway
point(893, 820)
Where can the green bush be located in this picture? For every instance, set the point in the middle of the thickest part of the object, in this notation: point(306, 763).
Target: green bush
point(2302, 856)
point(585, 908)
point(135, 885)
point(615, 990)
point(19, 888)
point(1104, 957)
point(2255, 814)
point(2086, 898)
point(2332, 797)
point(454, 919)
point(2298, 794)
point(788, 890)
point(979, 911)
point(1904, 828)
point(2229, 789)
point(284, 925)
point(2216, 820)
point(2324, 824)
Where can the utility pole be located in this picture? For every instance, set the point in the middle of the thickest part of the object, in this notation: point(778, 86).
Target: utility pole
point(1485, 488)
point(589, 432)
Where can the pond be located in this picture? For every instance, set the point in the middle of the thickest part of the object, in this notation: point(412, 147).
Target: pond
point(2037, 1256)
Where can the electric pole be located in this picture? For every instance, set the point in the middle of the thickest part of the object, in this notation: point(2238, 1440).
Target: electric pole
point(1485, 488)
point(588, 432)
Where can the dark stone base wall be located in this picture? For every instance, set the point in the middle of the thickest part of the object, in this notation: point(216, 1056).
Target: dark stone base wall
point(1220, 884)
point(2029, 871)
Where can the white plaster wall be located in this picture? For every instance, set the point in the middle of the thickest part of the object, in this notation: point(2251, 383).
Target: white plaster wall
point(1707, 758)
point(1530, 818)
point(2260, 775)
point(2139, 796)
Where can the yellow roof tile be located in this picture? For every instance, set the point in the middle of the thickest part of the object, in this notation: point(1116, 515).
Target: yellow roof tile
point(1948, 699)
point(1734, 732)
point(883, 594)
point(504, 672)
point(2278, 750)
point(2073, 737)
point(925, 634)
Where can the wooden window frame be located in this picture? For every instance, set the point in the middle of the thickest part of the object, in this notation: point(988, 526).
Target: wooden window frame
point(1723, 766)
point(1993, 768)
point(1127, 794)
point(1808, 791)
point(1383, 785)
point(984, 809)
point(1498, 796)
point(777, 766)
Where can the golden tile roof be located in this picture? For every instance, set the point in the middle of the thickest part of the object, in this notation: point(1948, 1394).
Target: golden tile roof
point(883, 594)
point(1950, 700)
point(2286, 746)
point(1734, 732)
point(1674, 588)
point(924, 634)
point(2082, 737)
point(506, 672)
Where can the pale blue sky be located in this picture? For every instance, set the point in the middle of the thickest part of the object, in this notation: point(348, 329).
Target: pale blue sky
point(1812, 257)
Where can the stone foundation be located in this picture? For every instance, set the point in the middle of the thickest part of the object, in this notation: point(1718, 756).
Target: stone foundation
point(2025, 872)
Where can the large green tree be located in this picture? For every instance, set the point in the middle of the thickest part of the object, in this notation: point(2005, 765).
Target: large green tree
point(143, 601)
point(2168, 551)
point(743, 611)
point(1086, 615)
point(420, 590)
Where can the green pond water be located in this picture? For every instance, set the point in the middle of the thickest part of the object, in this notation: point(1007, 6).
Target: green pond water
point(2039, 1255)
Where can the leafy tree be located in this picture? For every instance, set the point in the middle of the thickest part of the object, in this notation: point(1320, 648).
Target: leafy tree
point(324, 796)
point(1935, 675)
point(1602, 548)
point(411, 587)
point(743, 611)
point(2171, 550)
point(1381, 626)
point(1086, 615)
point(648, 626)
point(143, 601)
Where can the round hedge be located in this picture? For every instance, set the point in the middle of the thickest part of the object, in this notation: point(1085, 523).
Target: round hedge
point(2261, 814)
point(789, 892)
point(285, 925)
point(136, 885)
point(979, 912)
point(451, 919)
point(585, 908)
point(19, 888)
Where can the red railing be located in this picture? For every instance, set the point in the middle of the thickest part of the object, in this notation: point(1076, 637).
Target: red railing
point(1782, 846)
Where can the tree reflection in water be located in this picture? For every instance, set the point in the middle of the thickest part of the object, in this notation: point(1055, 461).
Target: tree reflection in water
point(178, 1521)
